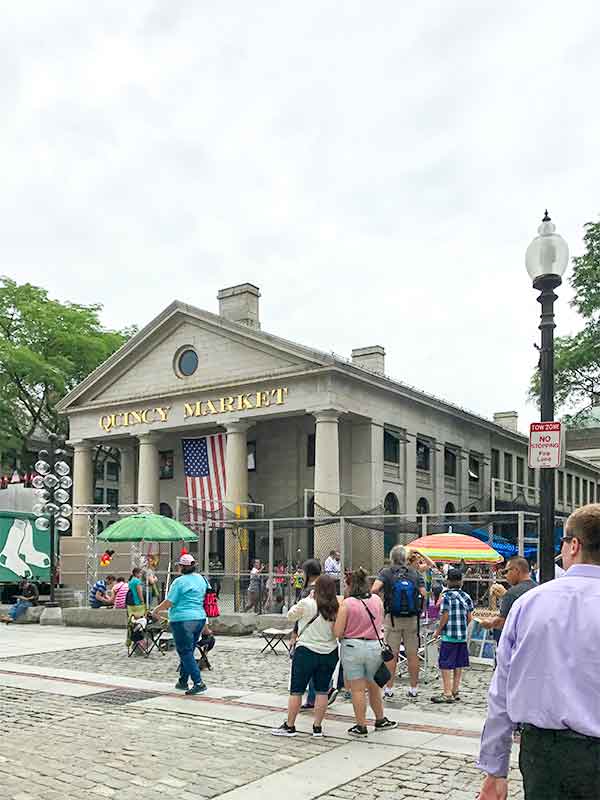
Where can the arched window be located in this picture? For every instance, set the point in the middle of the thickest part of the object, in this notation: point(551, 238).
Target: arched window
point(422, 506)
point(390, 504)
point(166, 510)
point(473, 510)
point(449, 508)
point(390, 526)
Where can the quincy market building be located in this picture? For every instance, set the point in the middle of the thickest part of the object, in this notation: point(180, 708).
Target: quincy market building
point(300, 425)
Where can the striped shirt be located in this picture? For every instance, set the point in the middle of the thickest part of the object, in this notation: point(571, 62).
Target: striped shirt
point(99, 586)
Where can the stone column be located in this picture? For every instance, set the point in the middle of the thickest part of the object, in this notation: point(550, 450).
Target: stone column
point(327, 479)
point(327, 460)
point(464, 479)
point(127, 475)
point(83, 475)
point(440, 488)
point(364, 546)
point(236, 494)
point(410, 475)
point(148, 476)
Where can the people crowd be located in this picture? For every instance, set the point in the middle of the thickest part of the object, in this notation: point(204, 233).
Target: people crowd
point(350, 629)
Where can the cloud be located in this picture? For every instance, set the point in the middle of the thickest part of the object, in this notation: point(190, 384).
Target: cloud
point(377, 170)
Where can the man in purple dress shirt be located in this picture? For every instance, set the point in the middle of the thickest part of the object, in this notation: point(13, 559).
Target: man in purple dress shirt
point(548, 679)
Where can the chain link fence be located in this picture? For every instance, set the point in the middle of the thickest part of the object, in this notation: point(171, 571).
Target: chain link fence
point(255, 563)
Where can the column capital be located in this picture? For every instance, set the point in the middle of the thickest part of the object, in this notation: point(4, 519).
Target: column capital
point(148, 438)
point(327, 415)
point(237, 426)
point(81, 445)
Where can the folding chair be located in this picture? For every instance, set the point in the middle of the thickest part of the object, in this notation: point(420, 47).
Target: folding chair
point(275, 636)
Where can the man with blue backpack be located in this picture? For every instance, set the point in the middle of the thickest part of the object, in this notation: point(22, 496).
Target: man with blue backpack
point(403, 597)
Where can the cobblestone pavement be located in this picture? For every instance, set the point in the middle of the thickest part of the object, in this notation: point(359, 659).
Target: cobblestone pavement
point(426, 776)
point(244, 669)
point(59, 748)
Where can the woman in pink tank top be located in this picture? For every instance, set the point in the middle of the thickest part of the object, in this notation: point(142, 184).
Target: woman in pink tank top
point(359, 626)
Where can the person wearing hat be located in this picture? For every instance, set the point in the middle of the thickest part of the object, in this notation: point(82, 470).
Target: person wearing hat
point(187, 618)
point(455, 614)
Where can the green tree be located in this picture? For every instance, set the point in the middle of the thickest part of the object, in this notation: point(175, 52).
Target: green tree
point(577, 357)
point(46, 348)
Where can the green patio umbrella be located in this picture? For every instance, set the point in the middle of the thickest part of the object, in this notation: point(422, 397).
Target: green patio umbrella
point(147, 528)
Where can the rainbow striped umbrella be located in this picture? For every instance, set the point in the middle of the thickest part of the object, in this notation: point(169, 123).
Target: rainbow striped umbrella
point(451, 547)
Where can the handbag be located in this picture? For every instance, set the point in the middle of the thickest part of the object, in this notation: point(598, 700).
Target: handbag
point(382, 675)
point(211, 604)
point(387, 654)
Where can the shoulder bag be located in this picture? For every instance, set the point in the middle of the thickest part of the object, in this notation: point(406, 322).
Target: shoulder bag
point(211, 604)
point(382, 676)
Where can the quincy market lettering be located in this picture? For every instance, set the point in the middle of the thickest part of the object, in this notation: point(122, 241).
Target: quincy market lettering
point(198, 408)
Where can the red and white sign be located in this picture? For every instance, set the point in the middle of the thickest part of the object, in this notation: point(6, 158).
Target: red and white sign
point(545, 445)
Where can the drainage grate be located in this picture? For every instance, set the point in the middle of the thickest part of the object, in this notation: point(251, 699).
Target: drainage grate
point(120, 697)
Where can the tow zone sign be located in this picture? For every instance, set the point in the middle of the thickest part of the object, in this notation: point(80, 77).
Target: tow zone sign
point(545, 445)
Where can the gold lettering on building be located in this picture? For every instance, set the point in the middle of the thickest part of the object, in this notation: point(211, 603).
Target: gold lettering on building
point(241, 402)
point(246, 401)
point(141, 416)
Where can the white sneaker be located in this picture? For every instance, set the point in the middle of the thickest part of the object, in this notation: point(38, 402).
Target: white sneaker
point(387, 692)
point(412, 692)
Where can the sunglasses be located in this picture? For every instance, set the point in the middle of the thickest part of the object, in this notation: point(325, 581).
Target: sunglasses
point(566, 539)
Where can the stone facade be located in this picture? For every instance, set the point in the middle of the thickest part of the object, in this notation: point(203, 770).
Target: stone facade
point(317, 423)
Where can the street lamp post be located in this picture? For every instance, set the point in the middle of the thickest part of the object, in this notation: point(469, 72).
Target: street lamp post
point(546, 259)
point(52, 485)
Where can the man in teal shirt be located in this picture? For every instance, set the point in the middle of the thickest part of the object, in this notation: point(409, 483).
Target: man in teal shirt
point(187, 618)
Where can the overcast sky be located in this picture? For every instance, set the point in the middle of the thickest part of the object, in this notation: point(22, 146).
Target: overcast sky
point(376, 168)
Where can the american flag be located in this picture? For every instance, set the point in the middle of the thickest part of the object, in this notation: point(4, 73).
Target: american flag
point(205, 480)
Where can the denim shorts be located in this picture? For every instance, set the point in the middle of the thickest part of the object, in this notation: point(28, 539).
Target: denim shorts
point(361, 658)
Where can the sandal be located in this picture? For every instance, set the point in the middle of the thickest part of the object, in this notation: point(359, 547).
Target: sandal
point(442, 698)
point(456, 696)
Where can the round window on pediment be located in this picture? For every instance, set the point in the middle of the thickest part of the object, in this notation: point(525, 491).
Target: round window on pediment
point(186, 362)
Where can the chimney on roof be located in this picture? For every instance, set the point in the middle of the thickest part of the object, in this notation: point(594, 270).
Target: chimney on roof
point(240, 304)
point(372, 358)
point(508, 419)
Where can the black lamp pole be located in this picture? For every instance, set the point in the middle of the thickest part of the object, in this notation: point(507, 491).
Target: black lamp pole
point(546, 284)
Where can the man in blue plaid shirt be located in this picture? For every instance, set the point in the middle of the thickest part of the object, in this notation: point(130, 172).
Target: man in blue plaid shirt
point(455, 614)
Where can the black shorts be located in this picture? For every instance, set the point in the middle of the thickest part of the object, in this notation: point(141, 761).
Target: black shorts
point(307, 664)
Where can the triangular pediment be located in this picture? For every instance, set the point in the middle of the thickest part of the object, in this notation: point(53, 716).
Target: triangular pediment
point(227, 353)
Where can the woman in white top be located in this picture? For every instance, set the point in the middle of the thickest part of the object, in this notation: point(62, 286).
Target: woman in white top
point(316, 653)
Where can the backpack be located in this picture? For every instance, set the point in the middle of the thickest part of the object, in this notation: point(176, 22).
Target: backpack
point(129, 598)
point(404, 597)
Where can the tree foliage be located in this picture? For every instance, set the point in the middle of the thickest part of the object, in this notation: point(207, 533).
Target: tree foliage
point(46, 348)
point(577, 357)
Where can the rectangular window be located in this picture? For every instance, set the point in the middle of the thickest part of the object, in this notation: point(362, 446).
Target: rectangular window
point(495, 464)
point(98, 496)
point(391, 448)
point(423, 455)
point(449, 462)
point(561, 486)
point(577, 495)
point(531, 476)
point(508, 467)
point(520, 471)
point(166, 460)
point(592, 492)
point(474, 469)
point(112, 497)
point(112, 471)
point(584, 491)
point(569, 490)
point(99, 470)
point(310, 450)
point(251, 447)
